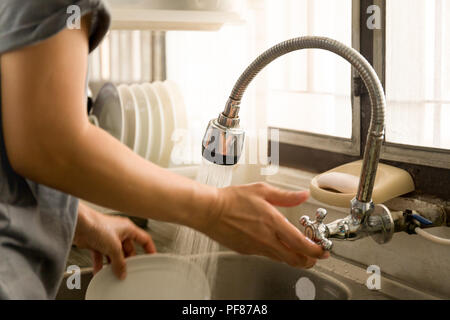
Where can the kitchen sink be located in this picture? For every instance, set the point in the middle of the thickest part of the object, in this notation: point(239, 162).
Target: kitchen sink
point(242, 277)
point(257, 278)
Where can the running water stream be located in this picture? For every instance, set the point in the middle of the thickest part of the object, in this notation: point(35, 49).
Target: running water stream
point(195, 245)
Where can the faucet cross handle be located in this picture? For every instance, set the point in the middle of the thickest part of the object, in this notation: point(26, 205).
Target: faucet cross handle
point(316, 230)
point(321, 213)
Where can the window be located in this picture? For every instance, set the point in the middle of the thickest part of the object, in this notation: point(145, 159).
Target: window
point(418, 72)
point(410, 54)
point(417, 81)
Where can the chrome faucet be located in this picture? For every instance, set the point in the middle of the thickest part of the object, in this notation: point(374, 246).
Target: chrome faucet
point(224, 139)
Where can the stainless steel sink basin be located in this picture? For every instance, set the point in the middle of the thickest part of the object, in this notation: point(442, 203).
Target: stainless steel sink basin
point(249, 278)
point(257, 278)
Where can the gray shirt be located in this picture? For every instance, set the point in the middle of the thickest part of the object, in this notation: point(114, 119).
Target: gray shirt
point(36, 222)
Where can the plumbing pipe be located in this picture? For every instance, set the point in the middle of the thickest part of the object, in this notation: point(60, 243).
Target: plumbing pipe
point(431, 237)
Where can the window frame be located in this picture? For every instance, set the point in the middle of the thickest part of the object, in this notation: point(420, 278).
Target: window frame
point(429, 167)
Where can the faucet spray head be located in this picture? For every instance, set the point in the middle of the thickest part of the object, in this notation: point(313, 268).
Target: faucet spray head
point(222, 145)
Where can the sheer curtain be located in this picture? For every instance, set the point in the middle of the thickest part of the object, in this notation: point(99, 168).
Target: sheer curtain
point(418, 72)
point(122, 57)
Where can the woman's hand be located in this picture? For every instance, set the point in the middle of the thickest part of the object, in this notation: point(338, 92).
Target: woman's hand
point(247, 222)
point(109, 236)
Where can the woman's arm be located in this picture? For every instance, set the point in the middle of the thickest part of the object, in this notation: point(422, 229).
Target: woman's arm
point(50, 140)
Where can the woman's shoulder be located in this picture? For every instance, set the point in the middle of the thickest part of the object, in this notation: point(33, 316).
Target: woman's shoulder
point(26, 22)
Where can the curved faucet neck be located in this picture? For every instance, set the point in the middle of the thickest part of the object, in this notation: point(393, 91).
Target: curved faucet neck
point(230, 116)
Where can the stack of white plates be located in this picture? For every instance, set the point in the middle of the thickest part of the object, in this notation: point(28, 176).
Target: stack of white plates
point(146, 117)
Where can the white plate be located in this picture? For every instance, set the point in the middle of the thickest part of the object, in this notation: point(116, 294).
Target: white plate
point(157, 134)
point(132, 128)
point(145, 120)
point(169, 122)
point(108, 110)
point(151, 277)
point(181, 135)
point(181, 121)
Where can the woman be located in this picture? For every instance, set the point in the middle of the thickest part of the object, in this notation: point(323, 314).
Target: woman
point(51, 155)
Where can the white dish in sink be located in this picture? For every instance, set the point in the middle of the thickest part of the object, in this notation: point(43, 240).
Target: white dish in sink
point(151, 277)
